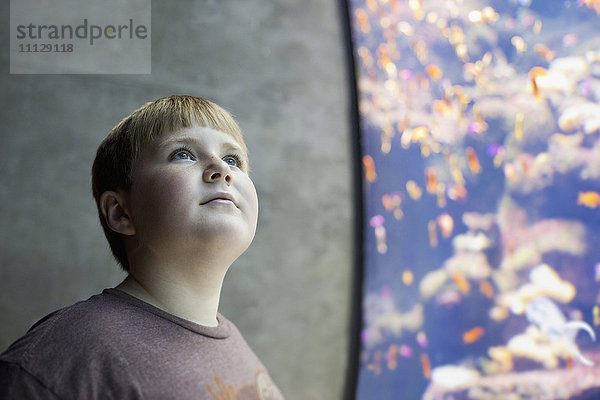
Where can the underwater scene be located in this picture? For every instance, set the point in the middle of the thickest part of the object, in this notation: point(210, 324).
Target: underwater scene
point(480, 138)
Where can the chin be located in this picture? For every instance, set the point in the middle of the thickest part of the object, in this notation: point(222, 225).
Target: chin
point(232, 236)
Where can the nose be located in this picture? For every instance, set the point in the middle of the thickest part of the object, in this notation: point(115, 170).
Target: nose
point(217, 171)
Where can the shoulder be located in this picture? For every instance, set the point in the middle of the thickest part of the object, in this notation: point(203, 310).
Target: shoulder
point(101, 318)
point(79, 343)
point(72, 325)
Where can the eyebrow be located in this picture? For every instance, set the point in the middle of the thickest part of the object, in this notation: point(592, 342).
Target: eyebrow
point(227, 144)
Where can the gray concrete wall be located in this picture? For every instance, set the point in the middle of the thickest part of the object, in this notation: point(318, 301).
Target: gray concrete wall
point(279, 67)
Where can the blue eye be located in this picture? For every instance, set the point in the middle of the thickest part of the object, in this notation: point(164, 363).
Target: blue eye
point(232, 161)
point(181, 154)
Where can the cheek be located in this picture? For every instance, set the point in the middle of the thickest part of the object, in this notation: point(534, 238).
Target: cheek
point(161, 198)
point(253, 205)
point(252, 197)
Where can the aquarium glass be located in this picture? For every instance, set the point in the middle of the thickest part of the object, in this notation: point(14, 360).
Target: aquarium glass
point(480, 128)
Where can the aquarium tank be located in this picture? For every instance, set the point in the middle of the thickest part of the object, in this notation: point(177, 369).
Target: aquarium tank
point(480, 147)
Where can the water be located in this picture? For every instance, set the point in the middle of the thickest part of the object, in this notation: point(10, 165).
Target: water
point(480, 137)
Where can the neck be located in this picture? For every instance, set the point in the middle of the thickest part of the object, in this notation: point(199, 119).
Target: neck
point(191, 293)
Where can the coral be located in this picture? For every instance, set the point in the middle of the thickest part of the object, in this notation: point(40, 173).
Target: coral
point(525, 243)
point(585, 115)
point(433, 282)
point(454, 377)
point(576, 383)
point(544, 281)
point(472, 265)
point(391, 322)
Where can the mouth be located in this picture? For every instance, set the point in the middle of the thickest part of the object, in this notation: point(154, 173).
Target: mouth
point(219, 198)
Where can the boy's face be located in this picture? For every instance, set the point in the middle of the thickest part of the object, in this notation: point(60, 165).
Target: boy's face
point(191, 192)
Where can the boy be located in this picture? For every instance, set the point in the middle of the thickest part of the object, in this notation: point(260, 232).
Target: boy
point(178, 207)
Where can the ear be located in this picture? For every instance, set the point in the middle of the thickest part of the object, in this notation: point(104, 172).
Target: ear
point(113, 208)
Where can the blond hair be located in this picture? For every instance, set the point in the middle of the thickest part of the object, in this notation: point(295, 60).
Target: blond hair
point(119, 151)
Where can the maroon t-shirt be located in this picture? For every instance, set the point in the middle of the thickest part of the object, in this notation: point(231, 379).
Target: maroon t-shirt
point(115, 346)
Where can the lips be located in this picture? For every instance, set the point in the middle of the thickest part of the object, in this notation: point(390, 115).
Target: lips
point(220, 197)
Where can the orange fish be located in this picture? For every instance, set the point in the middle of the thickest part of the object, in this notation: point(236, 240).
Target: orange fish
point(486, 288)
point(413, 190)
point(363, 20)
point(392, 357)
point(441, 195)
point(408, 277)
point(372, 5)
point(433, 239)
point(456, 37)
point(365, 55)
point(415, 135)
point(369, 165)
point(479, 125)
point(474, 165)
point(537, 71)
point(383, 54)
point(426, 365)
point(386, 201)
point(393, 202)
point(569, 362)
point(461, 96)
point(442, 107)
point(420, 133)
point(473, 70)
point(386, 63)
point(518, 43)
point(433, 71)
point(461, 282)
point(457, 192)
point(455, 171)
point(519, 125)
point(535, 89)
point(396, 200)
point(588, 199)
point(446, 225)
point(533, 74)
point(420, 49)
point(376, 365)
point(525, 164)
point(510, 172)
point(489, 14)
point(402, 125)
point(431, 180)
point(380, 237)
point(544, 52)
point(386, 144)
point(473, 335)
